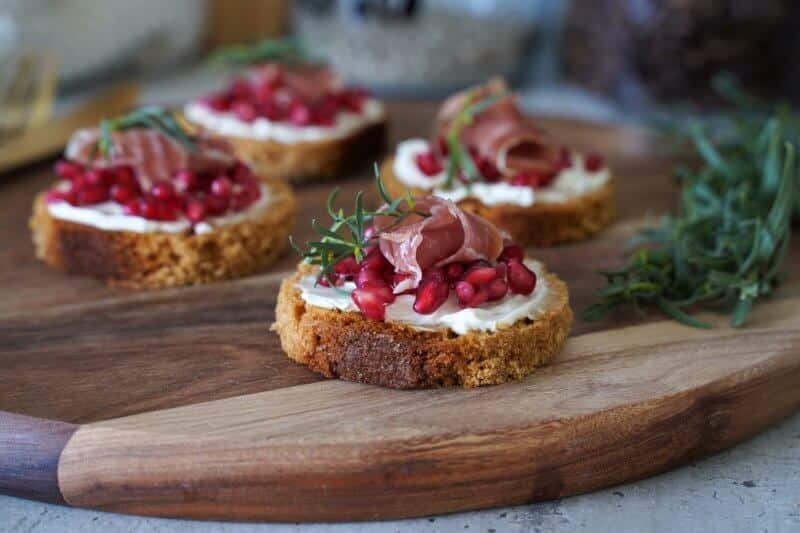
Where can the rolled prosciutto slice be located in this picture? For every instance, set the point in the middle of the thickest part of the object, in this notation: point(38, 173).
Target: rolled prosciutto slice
point(310, 82)
point(502, 133)
point(154, 155)
point(447, 235)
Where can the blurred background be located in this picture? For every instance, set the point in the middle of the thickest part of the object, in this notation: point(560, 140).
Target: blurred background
point(597, 59)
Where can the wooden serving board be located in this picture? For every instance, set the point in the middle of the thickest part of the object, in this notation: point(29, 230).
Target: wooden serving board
point(181, 403)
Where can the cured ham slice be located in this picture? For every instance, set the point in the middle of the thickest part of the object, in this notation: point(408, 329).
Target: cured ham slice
point(309, 82)
point(448, 234)
point(153, 155)
point(502, 133)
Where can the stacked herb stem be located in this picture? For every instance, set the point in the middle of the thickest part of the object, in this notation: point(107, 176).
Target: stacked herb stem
point(725, 247)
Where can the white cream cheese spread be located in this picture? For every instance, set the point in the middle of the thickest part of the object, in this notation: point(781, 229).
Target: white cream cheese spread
point(226, 123)
point(568, 184)
point(109, 216)
point(488, 317)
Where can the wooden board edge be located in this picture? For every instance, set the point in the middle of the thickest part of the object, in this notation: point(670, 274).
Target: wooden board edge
point(222, 479)
point(30, 451)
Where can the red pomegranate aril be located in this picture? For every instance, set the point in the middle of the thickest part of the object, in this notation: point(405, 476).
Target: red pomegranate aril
point(464, 292)
point(497, 289)
point(455, 271)
point(481, 297)
point(366, 275)
point(132, 208)
point(369, 302)
point(593, 162)
point(92, 194)
point(240, 88)
point(244, 111)
point(521, 179)
point(488, 171)
point(480, 275)
point(428, 163)
point(264, 92)
point(521, 280)
point(218, 102)
point(512, 251)
point(163, 190)
point(383, 290)
point(195, 211)
point(441, 144)
point(400, 277)
point(186, 179)
point(122, 194)
point(54, 196)
point(241, 172)
point(347, 266)
point(375, 260)
point(299, 114)
point(271, 111)
point(216, 205)
point(68, 169)
point(221, 187)
point(94, 177)
point(166, 212)
point(126, 176)
point(432, 291)
point(149, 208)
point(240, 202)
point(501, 269)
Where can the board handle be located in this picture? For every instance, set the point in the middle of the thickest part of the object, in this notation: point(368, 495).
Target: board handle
point(30, 449)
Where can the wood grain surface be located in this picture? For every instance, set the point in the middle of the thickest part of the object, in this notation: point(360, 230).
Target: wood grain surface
point(184, 405)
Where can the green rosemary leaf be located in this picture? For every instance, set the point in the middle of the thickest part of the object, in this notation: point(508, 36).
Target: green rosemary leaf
point(725, 248)
point(285, 50)
point(147, 117)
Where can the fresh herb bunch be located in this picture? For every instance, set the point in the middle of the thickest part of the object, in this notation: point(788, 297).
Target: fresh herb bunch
point(286, 50)
point(725, 248)
point(147, 117)
point(459, 160)
point(347, 235)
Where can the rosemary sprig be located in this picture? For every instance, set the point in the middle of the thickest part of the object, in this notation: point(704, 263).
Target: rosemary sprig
point(287, 50)
point(725, 248)
point(146, 117)
point(458, 157)
point(346, 235)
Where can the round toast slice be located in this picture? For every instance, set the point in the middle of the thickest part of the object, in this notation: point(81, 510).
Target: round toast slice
point(347, 345)
point(541, 224)
point(159, 259)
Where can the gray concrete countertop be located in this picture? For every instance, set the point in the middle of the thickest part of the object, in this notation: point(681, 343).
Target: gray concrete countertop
point(752, 487)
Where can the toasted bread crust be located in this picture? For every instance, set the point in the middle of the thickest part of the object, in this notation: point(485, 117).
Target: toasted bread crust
point(157, 260)
point(349, 346)
point(307, 161)
point(536, 225)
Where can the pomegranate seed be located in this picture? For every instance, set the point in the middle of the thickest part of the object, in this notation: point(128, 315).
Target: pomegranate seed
point(481, 297)
point(432, 291)
point(375, 260)
point(532, 179)
point(122, 194)
point(264, 92)
point(347, 266)
point(132, 208)
point(480, 275)
point(166, 211)
point(271, 110)
point(521, 180)
point(380, 288)
point(593, 162)
point(369, 301)
point(149, 208)
point(497, 289)
point(324, 281)
point(195, 211)
point(186, 179)
point(512, 251)
point(244, 111)
point(501, 269)
point(54, 196)
point(163, 190)
point(219, 102)
point(241, 172)
point(240, 202)
point(455, 271)
point(564, 158)
point(442, 146)
point(400, 277)
point(428, 163)
point(216, 205)
point(464, 292)
point(92, 194)
point(489, 172)
point(221, 187)
point(366, 276)
point(95, 177)
point(299, 114)
point(352, 100)
point(521, 280)
point(68, 169)
point(240, 88)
